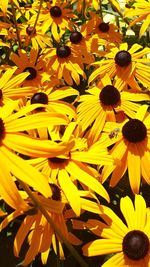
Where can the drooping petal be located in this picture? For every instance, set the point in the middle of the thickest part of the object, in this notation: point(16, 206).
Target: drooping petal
point(26, 173)
point(77, 170)
point(70, 190)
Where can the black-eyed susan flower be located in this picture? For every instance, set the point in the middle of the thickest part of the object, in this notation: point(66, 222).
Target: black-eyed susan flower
point(11, 86)
point(38, 39)
point(131, 150)
point(127, 66)
point(30, 64)
point(54, 98)
point(73, 165)
point(141, 10)
point(26, 9)
point(105, 103)
point(128, 240)
point(13, 138)
point(56, 17)
point(79, 42)
point(103, 30)
point(40, 234)
point(65, 63)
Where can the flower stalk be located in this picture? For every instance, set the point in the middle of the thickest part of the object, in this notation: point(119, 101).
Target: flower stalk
point(53, 225)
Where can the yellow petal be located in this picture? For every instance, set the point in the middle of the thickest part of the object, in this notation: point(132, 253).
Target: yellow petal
point(8, 189)
point(36, 147)
point(22, 233)
point(26, 173)
point(70, 190)
point(78, 171)
point(102, 247)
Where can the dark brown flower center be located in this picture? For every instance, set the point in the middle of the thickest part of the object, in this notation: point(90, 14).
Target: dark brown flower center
point(55, 11)
point(40, 97)
point(109, 96)
point(63, 51)
point(2, 130)
point(32, 73)
point(75, 37)
point(135, 245)
point(30, 30)
point(134, 131)
point(57, 160)
point(103, 27)
point(123, 58)
point(56, 195)
point(1, 94)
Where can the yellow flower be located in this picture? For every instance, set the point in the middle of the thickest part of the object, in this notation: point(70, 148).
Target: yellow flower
point(11, 86)
point(13, 138)
point(57, 17)
point(103, 30)
point(131, 149)
point(38, 39)
point(126, 66)
point(41, 235)
point(74, 165)
point(129, 240)
point(65, 63)
point(30, 64)
point(106, 103)
point(141, 9)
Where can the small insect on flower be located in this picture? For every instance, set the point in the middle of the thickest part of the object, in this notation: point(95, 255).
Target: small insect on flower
point(114, 133)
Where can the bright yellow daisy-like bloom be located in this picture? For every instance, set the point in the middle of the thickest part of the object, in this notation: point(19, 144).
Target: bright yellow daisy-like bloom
point(141, 9)
point(80, 42)
point(54, 98)
point(26, 9)
point(127, 66)
point(69, 167)
point(35, 227)
point(106, 103)
point(30, 64)
point(56, 17)
point(13, 139)
point(38, 39)
point(103, 30)
point(10, 86)
point(131, 150)
point(65, 63)
point(129, 239)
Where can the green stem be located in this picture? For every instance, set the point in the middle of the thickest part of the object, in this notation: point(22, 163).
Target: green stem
point(83, 10)
point(15, 23)
point(35, 23)
point(100, 9)
point(119, 12)
point(53, 225)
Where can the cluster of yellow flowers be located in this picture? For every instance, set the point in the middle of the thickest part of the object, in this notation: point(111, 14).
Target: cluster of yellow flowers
point(74, 120)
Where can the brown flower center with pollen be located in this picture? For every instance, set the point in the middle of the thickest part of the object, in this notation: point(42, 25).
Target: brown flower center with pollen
point(1, 95)
point(55, 11)
point(56, 194)
point(123, 58)
point(30, 30)
point(32, 73)
point(63, 51)
point(103, 27)
point(2, 130)
point(75, 37)
point(134, 131)
point(109, 96)
point(40, 97)
point(57, 160)
point(135, 245)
